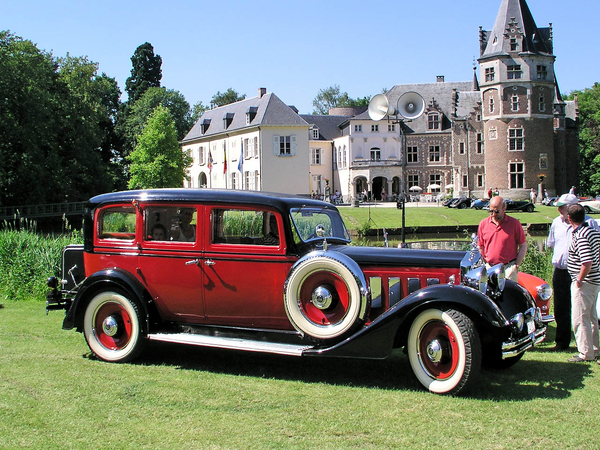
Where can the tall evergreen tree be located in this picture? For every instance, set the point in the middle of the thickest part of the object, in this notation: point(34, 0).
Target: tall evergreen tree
point(146, 72)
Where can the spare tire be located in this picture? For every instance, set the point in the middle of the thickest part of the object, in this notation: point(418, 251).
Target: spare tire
point(326, 296)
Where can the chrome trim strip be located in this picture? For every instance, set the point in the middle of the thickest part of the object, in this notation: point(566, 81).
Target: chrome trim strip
point(230, 343)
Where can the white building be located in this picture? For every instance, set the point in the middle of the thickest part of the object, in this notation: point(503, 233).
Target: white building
point(255, 144)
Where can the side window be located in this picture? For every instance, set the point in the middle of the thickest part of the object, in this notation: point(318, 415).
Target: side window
point(170, 224)
point(244, 227)
point(117, 223)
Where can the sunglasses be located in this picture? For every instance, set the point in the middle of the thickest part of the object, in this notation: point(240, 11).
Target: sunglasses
point(494, 211)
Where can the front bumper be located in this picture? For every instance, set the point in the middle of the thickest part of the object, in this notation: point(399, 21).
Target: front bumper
point(516, 347)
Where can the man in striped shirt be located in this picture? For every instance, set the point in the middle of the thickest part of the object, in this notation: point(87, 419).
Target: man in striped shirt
point(584, 267)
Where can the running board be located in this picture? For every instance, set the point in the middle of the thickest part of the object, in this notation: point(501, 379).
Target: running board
point(231, 343)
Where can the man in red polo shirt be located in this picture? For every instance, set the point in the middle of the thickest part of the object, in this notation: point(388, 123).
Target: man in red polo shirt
point(501, 239)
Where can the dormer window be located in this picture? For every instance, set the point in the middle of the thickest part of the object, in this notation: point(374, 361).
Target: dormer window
point(514, 45)
point(204, 126)
point(315, 133)
point(227, 119)
point(489, 74)
point(542, 72)
point(433, 121)
point(251, 114)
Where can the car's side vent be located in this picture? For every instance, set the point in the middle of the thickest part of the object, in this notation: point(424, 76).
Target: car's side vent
point(431, 281)
point(414, 284)
point(395, 290)
point(375, 286)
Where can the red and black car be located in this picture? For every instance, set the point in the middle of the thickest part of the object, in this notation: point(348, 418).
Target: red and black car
point(273, 273)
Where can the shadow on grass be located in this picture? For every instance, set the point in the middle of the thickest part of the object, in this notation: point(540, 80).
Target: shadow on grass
point(527, 380)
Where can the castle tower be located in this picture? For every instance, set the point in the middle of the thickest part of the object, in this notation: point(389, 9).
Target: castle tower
point(518, 89)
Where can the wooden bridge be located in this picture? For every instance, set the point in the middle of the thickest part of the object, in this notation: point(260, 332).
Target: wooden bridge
point(39, 211)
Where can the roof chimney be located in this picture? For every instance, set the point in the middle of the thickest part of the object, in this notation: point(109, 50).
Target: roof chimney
point(440, 78)
point(261, 92)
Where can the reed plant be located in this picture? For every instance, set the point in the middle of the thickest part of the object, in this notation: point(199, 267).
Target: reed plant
point(28, 258)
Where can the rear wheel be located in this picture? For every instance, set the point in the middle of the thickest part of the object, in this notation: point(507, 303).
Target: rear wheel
point(112, 327)
point(444, 350)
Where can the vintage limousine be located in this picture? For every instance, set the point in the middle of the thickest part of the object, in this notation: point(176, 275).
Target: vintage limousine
point(275, 273)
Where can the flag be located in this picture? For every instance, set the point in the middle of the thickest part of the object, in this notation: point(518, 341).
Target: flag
point(210, 161)
point(241, 161)
point(224, 159)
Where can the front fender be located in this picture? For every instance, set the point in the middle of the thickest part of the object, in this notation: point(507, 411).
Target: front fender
point(377, 339)
point(104, 280)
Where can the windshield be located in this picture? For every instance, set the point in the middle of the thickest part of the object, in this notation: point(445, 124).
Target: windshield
point(306, 220)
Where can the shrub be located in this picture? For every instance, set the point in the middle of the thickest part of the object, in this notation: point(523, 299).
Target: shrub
point(538, 261)
point(27, 258)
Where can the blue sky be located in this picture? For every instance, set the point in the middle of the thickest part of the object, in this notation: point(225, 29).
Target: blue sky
point(296, 48)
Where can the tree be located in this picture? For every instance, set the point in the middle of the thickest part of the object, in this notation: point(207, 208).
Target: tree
point(157, 161)
point(50, 137)
point(333, 98)
point(146, 72)
point(197, 110)
point(227, 97)
point(589, 139)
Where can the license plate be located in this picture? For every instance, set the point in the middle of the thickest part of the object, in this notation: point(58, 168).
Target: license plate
point(530, 327)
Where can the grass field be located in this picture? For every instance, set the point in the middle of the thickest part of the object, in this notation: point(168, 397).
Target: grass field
point(54, 396)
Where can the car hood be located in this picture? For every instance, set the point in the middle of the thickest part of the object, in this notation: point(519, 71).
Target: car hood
point(405, 257)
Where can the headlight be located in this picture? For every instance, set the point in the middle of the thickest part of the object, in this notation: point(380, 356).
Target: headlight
point(544, 292)
point(477, 279)
point(497, 279)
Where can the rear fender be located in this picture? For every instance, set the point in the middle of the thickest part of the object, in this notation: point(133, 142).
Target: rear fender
point(105, 280)
point(377, 339)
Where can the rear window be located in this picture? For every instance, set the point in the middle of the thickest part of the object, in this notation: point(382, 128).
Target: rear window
point(117, 223)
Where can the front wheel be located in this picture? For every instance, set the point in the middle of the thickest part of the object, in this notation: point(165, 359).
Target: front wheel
point(112, 327)
point(444, 350)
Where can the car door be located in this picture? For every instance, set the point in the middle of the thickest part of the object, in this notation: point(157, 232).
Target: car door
point(168, 261)
point(244, 267)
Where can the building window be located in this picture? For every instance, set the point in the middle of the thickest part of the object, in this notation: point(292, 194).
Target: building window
point(345, 158)
point(315, 133)
point(514, 103)
point(479, 143)
point(201, 155)
point(543, 161)
point(412, 154)
point(479, 180)
point(315, 156)
point(433, 122)
point(465, 181)
point(375, 154)
point(542, 72)
point(375, 128)
point(358, 128)
point(489, 74)
point(435, 178)
point(514, 45)
point(434, 153)
point(491, 104)
point(284, 145)
point(513, 72)
point(413, 180)
point(542, 103)
point(234, 180)
point(515, 139)
point(517, 175)
point(461, 148)
point(391, 127)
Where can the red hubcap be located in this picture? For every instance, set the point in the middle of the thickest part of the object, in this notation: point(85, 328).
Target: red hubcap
point(438, 350)
point(333, 314)
point(118, 339)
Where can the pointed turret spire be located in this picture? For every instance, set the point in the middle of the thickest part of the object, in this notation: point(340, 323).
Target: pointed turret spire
point(515, 31)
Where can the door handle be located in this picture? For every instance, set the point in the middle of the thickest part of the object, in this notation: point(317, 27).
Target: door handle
point(192, 262)
point(209, 262)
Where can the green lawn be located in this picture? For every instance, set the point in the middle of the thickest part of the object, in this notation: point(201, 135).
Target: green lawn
point(54, 396)
point(382, 217)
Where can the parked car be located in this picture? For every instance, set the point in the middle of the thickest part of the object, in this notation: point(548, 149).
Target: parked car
point(549, 201)
point(450, 201)
point(519, 205)
point(481, 203)
point(462, 203)
point(274, 273)
point(591, 206)
point(541, 292)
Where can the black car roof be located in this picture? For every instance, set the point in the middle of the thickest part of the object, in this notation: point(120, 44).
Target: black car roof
point(283, 202)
